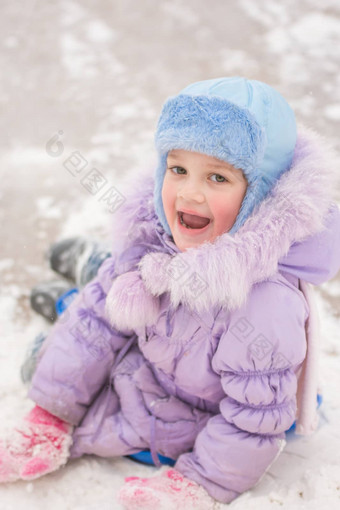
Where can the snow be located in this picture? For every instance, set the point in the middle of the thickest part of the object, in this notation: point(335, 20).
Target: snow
point(6, 263)
point(98, 32)
point(45, 207)
point(316, 29)
point(100, 72)
point(332, 111)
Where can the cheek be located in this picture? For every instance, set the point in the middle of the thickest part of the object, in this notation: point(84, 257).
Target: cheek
point(225, 212)
point(168, 199)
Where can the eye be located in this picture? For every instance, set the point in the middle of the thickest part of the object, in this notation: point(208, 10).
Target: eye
point(219, 178)
point(178, 170)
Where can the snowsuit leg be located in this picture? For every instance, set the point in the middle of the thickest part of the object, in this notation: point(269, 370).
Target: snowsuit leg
point(105, 431)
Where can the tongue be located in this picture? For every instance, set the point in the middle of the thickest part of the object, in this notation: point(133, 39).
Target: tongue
point(194, 221)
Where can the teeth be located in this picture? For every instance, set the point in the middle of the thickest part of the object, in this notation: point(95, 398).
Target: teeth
point(182, 222)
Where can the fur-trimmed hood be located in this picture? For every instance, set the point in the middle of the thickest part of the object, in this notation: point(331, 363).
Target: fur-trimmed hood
point(296, 229)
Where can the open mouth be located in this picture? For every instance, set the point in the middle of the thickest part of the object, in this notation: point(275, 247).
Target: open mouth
point(192, 221)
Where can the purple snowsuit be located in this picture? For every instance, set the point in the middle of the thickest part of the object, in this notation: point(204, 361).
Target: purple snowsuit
point(197, 355)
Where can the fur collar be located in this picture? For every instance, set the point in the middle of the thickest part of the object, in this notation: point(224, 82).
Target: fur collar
point(222, 273)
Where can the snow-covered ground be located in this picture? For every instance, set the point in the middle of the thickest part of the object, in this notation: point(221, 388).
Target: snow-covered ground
point(92, 75)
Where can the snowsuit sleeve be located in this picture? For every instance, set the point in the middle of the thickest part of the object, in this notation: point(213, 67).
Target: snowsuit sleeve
point(79, 352)
point(257, 358)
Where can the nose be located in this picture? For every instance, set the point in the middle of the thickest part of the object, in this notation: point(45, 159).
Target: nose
point(191, 193)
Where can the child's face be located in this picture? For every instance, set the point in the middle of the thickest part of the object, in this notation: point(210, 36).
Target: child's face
point(199, 185)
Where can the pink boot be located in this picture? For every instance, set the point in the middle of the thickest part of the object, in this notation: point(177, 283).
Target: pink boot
point(170, 490)
point(39, 446)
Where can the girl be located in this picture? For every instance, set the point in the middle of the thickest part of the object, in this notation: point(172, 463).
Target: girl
point(197, 339)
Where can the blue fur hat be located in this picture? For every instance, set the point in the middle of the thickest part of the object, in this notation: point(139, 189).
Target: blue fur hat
point(243, 122)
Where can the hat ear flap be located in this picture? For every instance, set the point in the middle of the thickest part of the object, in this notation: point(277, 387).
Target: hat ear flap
point(158, 201)
point(257, 190)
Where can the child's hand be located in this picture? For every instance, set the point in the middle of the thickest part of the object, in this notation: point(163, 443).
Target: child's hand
point(40, 445)
point(165, 491)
